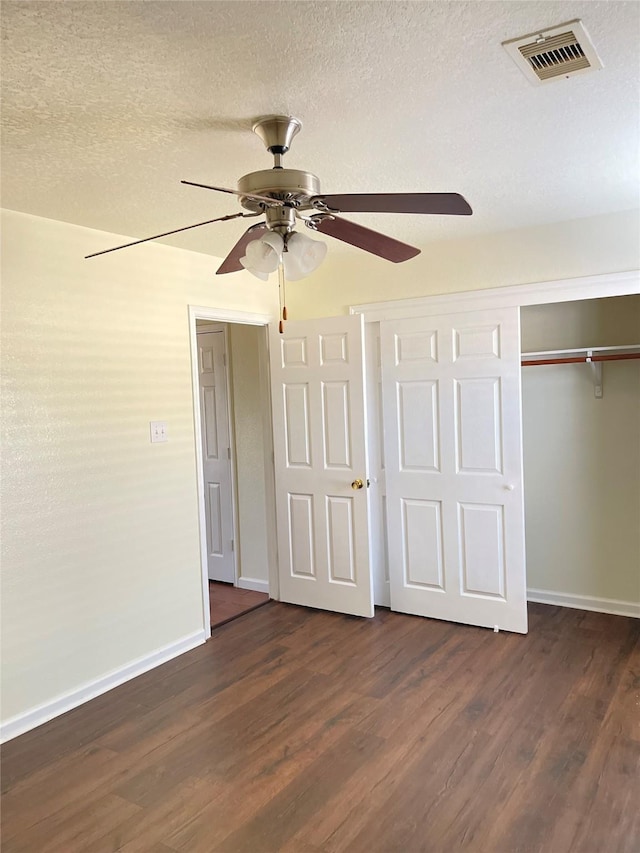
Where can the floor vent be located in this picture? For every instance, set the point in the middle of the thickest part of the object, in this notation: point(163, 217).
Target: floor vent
point(562, 51)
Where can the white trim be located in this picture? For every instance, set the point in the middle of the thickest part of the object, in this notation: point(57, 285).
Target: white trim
point(202, 517)
point(231, 426)
point(585, 602)
point(200, 312)
point(536, 293)
point(253, 583)
point(221, 315)
point(28, 720)
point(269, 465)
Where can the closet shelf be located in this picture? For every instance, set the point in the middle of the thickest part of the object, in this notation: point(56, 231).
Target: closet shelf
point(593, 356)
point(579, 355)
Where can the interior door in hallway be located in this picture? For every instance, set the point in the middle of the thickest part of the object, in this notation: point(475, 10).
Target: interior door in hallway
point(216, 455)
point(317, 376)
point(453, 454)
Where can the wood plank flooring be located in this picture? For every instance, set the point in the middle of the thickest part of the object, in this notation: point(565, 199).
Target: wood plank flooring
point(227, 602)
point(299, 731)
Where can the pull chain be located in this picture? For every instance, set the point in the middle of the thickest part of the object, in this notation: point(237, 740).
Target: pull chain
point(282, 296)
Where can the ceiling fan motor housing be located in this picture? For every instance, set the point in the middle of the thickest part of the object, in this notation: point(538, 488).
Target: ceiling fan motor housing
point(292, 186)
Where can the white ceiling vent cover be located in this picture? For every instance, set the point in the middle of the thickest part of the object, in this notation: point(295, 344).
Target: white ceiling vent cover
point(562, 51)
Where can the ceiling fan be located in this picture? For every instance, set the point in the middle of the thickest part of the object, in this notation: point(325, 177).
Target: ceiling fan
point(284, 196)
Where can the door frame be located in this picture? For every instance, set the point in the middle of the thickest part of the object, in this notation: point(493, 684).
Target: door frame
point(220, 315)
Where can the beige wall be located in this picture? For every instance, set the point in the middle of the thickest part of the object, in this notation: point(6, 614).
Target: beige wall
point(592, 246)
point(583, 323)
point(582, 454)
point(100, 543)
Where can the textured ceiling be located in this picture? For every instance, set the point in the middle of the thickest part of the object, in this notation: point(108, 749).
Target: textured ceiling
point(108, 105)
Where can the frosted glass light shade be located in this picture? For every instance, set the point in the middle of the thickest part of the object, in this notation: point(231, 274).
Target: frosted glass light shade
point(303, 256)
point(263, 256)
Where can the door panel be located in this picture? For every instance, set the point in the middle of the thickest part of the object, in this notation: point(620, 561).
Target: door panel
point(214, 520)
point(216, 454)
point(337, 429)
point(478, 425)
point(320, 449)
point(296, 425)
point(422, 534)
point(481, 548)
point(418, 426)
point(452, 434)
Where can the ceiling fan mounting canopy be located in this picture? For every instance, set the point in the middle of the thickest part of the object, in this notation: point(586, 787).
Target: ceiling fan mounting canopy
point(277, 132)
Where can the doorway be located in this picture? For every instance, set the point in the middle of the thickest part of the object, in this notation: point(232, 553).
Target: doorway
point(218, 462)
point(233, 442)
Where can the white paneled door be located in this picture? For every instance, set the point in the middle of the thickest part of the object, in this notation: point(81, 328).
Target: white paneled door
point(317, 375)
point(216, 455)
point(453, 454)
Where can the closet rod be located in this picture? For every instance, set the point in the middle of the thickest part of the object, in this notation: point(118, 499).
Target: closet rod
point(580, 360)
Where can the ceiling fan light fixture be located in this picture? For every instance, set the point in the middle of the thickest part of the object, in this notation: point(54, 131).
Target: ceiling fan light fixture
point(303, 256)
point(263, 256)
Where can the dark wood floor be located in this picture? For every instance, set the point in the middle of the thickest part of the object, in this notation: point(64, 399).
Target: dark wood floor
point(299, 731)
point(227, 602)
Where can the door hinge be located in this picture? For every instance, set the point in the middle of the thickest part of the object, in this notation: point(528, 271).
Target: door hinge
point(224, 358)
point(233, 545)
point(228, 453)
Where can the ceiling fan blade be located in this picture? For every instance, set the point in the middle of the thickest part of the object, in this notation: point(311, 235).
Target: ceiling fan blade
point(273, 202)
point(232, 262)
point(364, 238)
point(394, 203)
point(167, 233)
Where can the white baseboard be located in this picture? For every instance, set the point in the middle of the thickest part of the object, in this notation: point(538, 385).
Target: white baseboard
point(254, 584)
point(585, 602)
point(28, 720)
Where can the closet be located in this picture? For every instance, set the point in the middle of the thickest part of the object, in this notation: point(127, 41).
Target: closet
point(581, 453)
point(581, 441)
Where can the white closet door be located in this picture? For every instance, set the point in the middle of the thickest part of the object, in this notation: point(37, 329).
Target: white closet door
point(317, 376)
point(453, 453)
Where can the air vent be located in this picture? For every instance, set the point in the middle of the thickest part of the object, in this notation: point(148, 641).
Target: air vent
point(562, 51)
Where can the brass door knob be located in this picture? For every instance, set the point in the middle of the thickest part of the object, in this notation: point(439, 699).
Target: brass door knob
point(357, 484)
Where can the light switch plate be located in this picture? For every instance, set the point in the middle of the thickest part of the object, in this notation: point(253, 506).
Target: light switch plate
point(158, 431)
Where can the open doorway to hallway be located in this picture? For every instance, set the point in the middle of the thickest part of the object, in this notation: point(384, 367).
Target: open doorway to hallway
point(234, 465)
